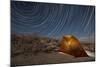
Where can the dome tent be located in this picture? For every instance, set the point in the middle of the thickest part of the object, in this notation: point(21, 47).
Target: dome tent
point(70, 45)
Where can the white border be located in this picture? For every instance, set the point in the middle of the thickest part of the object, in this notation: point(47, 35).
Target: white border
point(4, 33)
point(80, 2)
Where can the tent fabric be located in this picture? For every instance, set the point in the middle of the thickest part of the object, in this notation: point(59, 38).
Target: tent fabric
point(71, 45)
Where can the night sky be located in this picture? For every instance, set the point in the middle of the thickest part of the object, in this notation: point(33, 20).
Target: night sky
point(52, 19)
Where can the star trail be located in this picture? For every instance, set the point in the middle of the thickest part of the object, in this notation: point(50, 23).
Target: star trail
point(49, 19)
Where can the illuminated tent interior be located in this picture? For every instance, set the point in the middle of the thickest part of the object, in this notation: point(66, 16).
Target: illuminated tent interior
point(70, 45)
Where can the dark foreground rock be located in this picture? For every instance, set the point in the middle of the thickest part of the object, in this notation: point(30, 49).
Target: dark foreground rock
point(46, 58)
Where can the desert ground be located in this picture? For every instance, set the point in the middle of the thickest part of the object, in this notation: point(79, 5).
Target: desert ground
point(40, 50)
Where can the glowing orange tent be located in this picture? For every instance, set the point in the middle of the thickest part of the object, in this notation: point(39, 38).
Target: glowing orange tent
point(70, 45)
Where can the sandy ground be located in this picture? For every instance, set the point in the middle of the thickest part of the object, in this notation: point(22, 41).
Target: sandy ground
point(46, 58)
